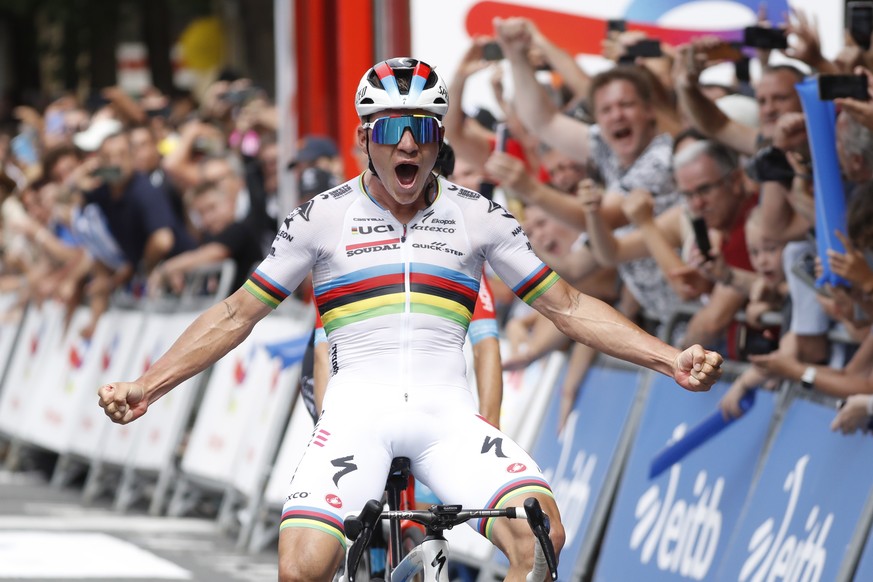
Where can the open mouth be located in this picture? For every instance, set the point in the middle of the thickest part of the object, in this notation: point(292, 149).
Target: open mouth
point(406, 173)
point(623, 133)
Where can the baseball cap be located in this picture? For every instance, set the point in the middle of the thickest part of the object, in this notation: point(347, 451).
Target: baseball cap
point(313, 147)
point(92, 138)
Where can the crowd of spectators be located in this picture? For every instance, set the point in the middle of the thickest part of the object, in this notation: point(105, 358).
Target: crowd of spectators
point(641, 185)
point(688, 205)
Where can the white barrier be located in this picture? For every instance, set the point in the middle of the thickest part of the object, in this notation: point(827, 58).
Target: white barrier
point(32, 358)
point(242, 416)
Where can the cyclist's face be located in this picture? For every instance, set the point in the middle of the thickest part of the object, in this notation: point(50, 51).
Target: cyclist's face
point(403, 168)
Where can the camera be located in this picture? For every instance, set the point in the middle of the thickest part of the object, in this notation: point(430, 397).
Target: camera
point(491, 51)
point(832, 87)
point(765, 38)
point(859, 16)
point(770, 164)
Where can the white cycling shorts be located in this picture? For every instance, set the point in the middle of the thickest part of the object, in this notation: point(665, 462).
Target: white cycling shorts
point(453, 450)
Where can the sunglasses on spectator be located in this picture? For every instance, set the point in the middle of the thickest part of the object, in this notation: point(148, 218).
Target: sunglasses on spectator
point(707, 188)
point(389, 130)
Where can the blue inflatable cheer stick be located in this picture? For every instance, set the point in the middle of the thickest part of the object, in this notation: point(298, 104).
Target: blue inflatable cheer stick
point(696, 436)
point(830, 199)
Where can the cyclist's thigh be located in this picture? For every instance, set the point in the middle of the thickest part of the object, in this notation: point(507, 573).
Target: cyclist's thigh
point(473, 463)
point(345, 464)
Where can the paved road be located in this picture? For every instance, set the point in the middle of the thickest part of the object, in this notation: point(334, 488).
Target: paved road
point(48, 534)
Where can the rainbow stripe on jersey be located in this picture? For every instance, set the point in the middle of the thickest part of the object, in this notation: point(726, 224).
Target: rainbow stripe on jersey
point(535, 284)
point(375, 291)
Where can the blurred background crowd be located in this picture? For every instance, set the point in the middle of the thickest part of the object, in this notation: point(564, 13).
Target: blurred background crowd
point(690, 206)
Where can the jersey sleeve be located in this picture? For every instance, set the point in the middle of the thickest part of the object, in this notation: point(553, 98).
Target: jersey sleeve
point(484, 322)
point(510, 254)
point(292, 254)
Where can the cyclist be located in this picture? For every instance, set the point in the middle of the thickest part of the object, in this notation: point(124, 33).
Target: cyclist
point(395, 256)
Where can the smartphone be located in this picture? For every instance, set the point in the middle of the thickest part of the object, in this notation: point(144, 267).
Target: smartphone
point(109, 174)
point(503, 136)
point(765, 38)
point(725, 51)
point(648, 47)
point(491, 51)
point(831, 87)
point(859, 17)
point(701, 236)
point(616, 25)
point(741, 70)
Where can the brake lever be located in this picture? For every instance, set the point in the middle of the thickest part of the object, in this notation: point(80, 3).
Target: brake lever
point(360, 529)
point(539, 525)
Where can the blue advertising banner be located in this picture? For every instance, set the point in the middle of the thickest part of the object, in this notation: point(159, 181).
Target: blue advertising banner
point(575, 460)
point(800, 518)
point(676, 526)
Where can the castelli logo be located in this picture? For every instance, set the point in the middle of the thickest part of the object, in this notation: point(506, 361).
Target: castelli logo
point(334, 501)
point(516, 468)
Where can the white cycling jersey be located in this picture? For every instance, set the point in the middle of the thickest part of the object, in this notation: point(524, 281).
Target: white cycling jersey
point(396, 299)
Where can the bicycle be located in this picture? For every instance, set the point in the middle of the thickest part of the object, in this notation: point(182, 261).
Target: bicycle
point(430, 556)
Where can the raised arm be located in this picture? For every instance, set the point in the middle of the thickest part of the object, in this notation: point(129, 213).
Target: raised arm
point(470, 145)
point(532, 103)
point(596, 324)
point(703, 113)
point(211, 336)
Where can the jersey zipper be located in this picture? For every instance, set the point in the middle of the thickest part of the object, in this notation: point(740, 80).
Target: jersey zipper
point(406, 324)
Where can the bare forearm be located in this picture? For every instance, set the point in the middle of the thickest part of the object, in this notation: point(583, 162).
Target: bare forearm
point(604, 247)
point(489, 378)
point(212, 335)
point(704, 113)
point(596, 324)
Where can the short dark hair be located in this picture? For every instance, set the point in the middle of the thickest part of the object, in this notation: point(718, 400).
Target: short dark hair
point(54, 155)
point(629, 74)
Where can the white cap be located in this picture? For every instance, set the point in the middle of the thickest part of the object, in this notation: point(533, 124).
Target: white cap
point(92, 138)
point(740, 108)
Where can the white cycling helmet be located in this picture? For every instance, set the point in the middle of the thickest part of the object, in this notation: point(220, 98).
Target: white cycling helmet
point(401, 83)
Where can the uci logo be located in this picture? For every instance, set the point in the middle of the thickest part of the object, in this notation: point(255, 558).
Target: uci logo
point(381, 228)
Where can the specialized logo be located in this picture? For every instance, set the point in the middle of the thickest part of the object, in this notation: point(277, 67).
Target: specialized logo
point(452, 188)
point(340, 191)
point(333, 500)
point(345, 466)
point(302, 211)
point(681, 534)
point(373, 247)
point(516, 468)
point(496, 444)
point(776, 555)
point(439, 561)
point(382, 228)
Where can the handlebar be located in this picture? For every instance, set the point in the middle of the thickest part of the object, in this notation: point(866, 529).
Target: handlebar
point(439, 518)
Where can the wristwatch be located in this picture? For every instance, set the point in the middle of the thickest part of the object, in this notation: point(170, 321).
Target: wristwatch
point(808, 377)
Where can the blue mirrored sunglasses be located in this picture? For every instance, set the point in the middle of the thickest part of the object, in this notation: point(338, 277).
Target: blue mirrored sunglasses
point(389, 130)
